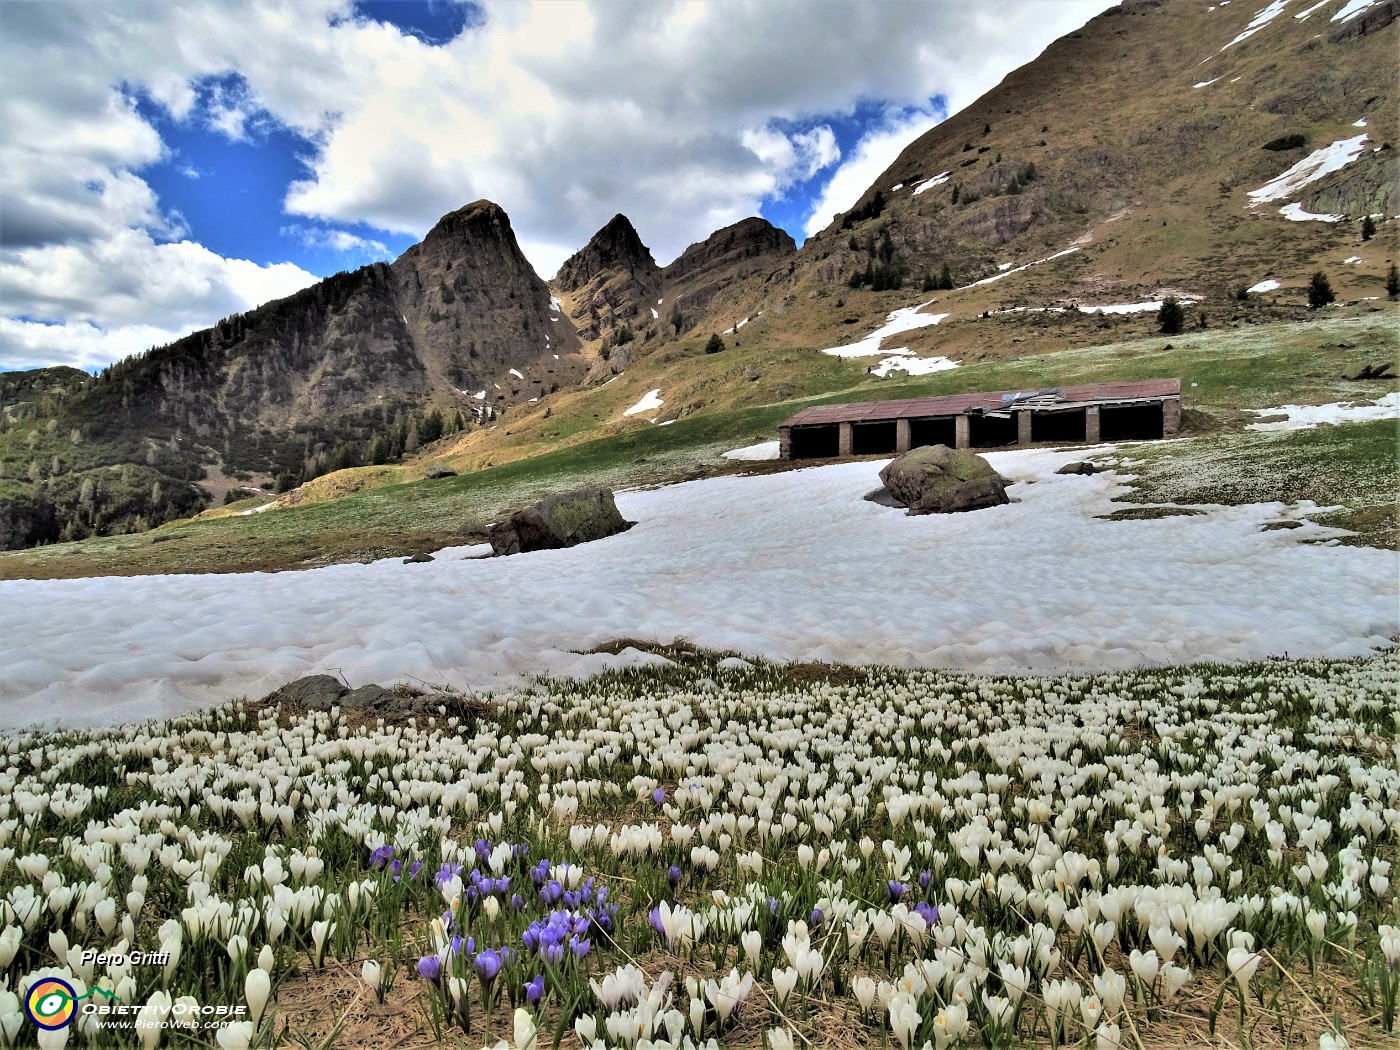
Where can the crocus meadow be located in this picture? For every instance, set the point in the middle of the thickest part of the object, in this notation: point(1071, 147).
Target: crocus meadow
point(729, 854)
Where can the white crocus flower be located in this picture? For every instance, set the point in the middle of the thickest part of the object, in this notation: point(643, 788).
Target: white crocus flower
point(257, 987)
point(525, 1030)
point(1242, 963)
point(237, 1035)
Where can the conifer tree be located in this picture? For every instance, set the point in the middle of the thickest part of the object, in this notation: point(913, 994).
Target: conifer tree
point(1320, 291)
point(1170, 316)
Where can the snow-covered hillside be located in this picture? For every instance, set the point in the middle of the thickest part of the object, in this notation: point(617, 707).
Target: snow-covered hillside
point(796, 566)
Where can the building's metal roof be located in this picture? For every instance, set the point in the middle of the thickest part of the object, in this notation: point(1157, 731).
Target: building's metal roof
point(991, 401)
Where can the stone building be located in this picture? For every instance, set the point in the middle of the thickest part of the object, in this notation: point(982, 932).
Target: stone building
point(1133, 411)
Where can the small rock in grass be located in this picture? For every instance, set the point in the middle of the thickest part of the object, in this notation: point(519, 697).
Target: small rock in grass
point(417, 558)
point(439, 470)
point(368, 697)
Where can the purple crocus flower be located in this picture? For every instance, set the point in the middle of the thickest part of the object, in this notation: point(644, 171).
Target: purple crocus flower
point(659, 796)
point(381, 856)
point(534, 990)
point(430, 967)
point(413, 871)
point(488, 965)
point(817, 917)
point(925, 877)
point(445, 874)
point(673, 875)
point(579, 947)
point(895, 890)
point(396, 866)
point(929, 912)
point(654, 917)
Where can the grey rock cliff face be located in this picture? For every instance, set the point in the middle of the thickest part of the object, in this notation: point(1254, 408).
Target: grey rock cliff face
point(475, 309)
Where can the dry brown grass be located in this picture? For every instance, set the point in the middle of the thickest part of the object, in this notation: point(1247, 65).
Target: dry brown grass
point(334, 1008)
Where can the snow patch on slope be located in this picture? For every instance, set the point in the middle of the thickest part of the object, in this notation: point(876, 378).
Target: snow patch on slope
point(1261, 19)
point(903, 320)
point(1296, 213)
point(1305, 417)
point(928, 184)
point(1354, 8)
point(1314, 166)
point(914, 366)
point(764, 450)
point(1026, 266)
point(649, 401)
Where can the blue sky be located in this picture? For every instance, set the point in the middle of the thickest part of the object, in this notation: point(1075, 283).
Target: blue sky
point(163, 165)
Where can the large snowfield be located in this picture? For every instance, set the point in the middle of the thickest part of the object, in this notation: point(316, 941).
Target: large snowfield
point(791, 566)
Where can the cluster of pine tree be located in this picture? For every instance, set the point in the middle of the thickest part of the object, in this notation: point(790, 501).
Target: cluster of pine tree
point(407, 434)
point(943, 282)
point(884, 269)
point(871, 209)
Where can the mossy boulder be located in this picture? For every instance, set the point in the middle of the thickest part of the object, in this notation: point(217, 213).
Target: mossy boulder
point(563, 520)
point(936, 479)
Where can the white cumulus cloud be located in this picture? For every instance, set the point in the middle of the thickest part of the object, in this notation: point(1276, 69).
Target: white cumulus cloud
point(562, 111)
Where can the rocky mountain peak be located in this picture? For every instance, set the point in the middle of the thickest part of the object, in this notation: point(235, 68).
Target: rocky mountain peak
point(479, 219)
point(611, 281)
point(616, 246)
point(726, 257)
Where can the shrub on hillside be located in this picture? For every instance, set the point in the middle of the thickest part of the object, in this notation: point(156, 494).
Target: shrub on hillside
point(1392, 281)
point(1284, 142)
point(715, 345)
point(1368, 228)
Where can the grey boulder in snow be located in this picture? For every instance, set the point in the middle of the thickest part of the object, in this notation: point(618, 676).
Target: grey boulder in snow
point(936, 479)
point(564, 520)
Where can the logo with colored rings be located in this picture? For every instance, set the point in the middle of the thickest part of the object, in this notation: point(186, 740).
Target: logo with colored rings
point(51, 1004)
